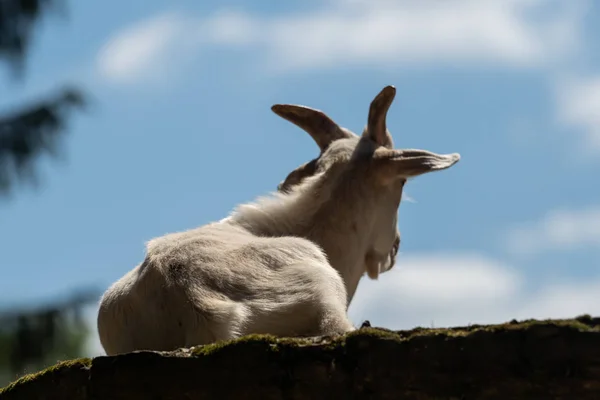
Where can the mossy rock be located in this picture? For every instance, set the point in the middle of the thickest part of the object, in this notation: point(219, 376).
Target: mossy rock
point(552, 359)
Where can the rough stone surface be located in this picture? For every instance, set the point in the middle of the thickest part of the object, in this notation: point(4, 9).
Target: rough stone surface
point(557, 359)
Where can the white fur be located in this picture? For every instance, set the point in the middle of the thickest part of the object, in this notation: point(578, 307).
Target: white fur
point(222, 281)
point(288, 264)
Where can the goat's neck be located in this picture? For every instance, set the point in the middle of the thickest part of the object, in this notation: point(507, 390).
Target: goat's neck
point(338, 226)
point(342, 237)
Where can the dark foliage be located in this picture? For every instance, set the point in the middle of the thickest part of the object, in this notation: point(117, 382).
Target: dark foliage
point(17, 21)
point(26, 134)
point(33, 338)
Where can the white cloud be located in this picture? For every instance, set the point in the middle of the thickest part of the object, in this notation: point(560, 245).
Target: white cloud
point(375, 33)
point(447, 279)
point(228, 28)
point(143, 50)
point(471, 290)
point(565, 300)
point(558, 230)
point(378, 34)
point(399, 33)
point(453, 290)
point(578, 102)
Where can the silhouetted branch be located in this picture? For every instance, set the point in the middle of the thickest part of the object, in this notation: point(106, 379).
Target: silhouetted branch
point(25, 134)
point(17, 19)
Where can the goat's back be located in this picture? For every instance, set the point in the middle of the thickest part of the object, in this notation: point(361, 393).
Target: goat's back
point(214, 279)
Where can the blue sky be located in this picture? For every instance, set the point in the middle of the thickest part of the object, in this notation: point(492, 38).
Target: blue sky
point(180, 131)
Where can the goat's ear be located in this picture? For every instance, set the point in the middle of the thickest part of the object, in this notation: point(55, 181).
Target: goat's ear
point(296, 177)
point(376, 126)
point(395, 164)
point(316, 123)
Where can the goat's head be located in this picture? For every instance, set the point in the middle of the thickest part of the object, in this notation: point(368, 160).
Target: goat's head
point(377, 171)
point(374, 263)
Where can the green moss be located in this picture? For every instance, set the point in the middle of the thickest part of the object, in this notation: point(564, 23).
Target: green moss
point(566, 323)
point(374, 333)
point(79, 362)
point(512, 325)
point(274, 343)
point(579, 324)
point(585, 318)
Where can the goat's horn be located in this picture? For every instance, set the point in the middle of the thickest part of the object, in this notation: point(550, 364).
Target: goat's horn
point(377, 114)
point(316, 123)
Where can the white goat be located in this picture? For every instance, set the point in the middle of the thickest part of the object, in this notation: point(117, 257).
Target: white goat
point(287, 265)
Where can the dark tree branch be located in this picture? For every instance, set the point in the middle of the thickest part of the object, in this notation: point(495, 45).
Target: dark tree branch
point(26, 134)
point(33, 337)
point(17, 20)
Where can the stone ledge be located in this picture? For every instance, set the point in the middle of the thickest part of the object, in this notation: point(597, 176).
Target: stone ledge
point(552, 359)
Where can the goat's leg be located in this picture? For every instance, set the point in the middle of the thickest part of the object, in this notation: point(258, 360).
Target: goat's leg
point(329, 301)
point(333, 320)
point(216, 320)
point(301, 320)
point(304, 299)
